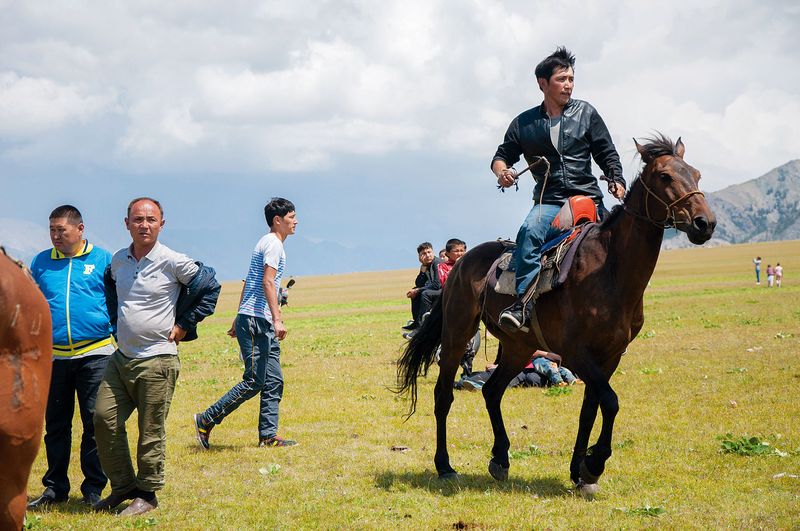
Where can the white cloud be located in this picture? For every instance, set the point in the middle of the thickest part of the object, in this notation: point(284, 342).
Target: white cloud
point(200, 84)
point(157, 130)
point(29, 106)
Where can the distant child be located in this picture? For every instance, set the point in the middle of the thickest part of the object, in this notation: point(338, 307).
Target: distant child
point(443, 255)
point(454, 250)
point(757, 262)
point(778, 274)
point(556, 375)
point(427, 278)
point(770, 275)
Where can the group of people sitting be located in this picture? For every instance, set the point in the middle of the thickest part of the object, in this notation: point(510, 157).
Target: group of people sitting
point(433, 273)
point(544, 370)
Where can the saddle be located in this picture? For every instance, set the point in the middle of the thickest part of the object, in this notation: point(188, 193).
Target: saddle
point(557, 257)
point(575, 217)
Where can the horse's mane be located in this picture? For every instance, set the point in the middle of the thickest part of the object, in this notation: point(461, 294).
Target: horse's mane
point(654, 147)
point(611, 218)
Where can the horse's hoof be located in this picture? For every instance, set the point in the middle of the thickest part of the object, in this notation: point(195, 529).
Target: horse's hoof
point(498, 471)
point(587, 490)
point(587, 477)
point(449, 476)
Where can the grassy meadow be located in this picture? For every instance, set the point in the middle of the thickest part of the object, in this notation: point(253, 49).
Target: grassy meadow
point(717, 355)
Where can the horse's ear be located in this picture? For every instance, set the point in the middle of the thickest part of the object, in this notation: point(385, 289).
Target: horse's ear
point(680, 149)
point(642, 151)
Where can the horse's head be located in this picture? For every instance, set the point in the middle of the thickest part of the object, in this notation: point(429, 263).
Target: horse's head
point(670, 195)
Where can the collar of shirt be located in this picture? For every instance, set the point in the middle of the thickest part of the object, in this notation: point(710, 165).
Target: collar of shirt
point(154, 254)
point(86, 248)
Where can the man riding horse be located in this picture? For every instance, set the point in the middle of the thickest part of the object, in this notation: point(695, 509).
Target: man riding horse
point(568, 133)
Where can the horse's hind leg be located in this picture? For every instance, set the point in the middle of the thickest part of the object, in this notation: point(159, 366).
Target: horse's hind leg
point(443, 398)
point(456, 334)
point(493, 391)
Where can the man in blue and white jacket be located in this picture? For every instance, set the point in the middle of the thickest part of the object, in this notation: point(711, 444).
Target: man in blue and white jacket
point(70, 275)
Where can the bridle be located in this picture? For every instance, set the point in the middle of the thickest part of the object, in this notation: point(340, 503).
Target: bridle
point(669, 220)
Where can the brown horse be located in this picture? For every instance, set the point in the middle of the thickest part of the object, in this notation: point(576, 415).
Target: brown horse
point(26, 350)
point(589, 321)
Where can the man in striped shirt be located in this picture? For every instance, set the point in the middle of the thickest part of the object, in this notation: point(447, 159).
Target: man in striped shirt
point(258, 327)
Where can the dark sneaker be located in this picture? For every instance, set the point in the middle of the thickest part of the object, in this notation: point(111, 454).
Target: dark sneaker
point(411, 325)
point(410, 334)
point(47, 499)
point(277, 441)
point(513, 317)
point(91, 499)
point(203, 431)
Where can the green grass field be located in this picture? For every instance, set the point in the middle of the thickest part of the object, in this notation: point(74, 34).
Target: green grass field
point(717, 355)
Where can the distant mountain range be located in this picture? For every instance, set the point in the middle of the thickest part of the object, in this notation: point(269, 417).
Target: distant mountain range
point(763, 209)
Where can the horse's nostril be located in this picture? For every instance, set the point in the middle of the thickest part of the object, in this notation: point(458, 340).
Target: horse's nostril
point(700, 223)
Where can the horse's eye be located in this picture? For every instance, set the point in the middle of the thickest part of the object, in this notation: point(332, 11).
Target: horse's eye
point(665, 177)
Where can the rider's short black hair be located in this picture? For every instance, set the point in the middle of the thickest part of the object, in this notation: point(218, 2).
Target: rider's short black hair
point(277, 206)
point(72, 214)
point(561, 58)
point(423, 246)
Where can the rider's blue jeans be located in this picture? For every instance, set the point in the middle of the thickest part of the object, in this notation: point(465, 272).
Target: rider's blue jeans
point(534, 232)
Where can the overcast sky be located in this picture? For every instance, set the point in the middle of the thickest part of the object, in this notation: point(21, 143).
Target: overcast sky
point(378, 119)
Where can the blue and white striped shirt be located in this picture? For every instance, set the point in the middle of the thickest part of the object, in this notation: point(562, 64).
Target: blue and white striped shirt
point(268, 252)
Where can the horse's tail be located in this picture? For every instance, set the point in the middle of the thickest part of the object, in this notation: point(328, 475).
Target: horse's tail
point(419, 354)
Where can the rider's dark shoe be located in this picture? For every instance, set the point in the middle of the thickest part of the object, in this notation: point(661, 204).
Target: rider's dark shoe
point(411, 325)
point(513, 317)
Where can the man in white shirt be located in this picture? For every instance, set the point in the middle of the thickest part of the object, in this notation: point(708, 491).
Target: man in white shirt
point(258, 327)
point(141, 374)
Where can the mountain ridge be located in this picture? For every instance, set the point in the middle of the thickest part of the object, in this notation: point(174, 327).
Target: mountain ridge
point(766, 208)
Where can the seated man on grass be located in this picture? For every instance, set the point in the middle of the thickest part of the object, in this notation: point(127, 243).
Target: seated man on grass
point(427, 279)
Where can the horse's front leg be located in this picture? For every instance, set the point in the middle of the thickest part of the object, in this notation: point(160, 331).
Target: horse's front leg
point(493, 395)
point(593, 464)
point(443, 399)
point(585, 424)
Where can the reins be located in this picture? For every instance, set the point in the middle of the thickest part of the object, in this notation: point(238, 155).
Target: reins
point(669, 220)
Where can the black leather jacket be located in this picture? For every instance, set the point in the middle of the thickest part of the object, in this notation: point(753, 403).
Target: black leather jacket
point(583, 136)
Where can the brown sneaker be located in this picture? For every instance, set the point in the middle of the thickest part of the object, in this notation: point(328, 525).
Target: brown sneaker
point(110, 502)
point(140, 506)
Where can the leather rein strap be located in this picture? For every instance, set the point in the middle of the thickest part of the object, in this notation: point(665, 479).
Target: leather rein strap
point(669, 220)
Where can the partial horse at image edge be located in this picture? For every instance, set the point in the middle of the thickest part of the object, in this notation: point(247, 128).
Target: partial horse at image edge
point(25, 365)
point(589, 321)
